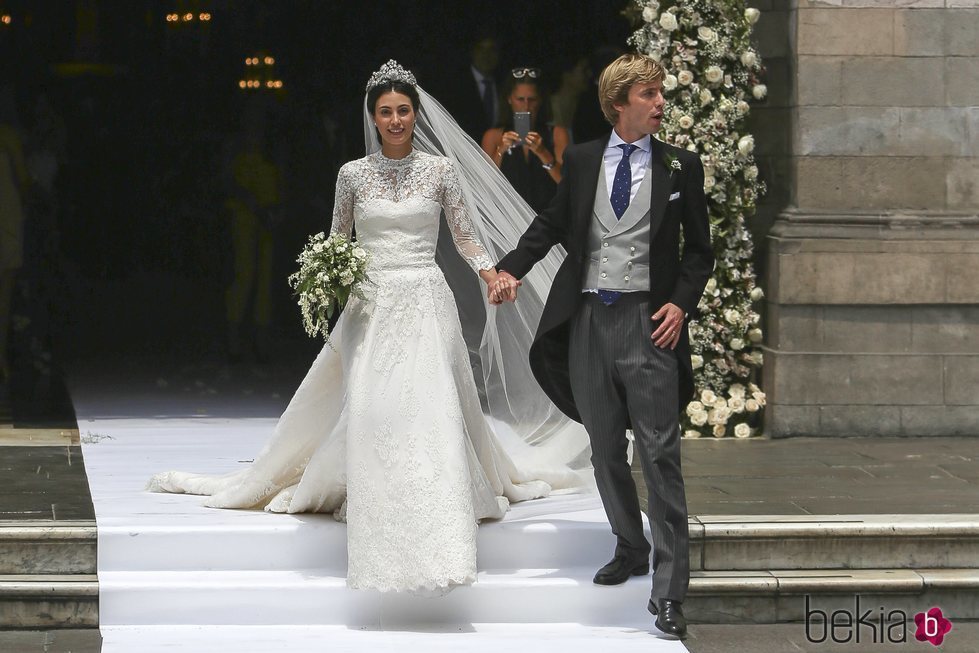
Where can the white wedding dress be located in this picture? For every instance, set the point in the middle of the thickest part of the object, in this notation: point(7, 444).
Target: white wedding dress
point(388, 427)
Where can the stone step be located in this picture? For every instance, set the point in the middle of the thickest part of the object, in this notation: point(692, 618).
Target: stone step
point(48, 547)
point(49, 601)
point(744, 542)
point(779, 596)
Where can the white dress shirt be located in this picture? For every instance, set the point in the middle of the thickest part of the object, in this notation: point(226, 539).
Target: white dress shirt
point(639, 160)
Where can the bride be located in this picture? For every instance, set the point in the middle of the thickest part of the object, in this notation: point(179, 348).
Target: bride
point(412, 428)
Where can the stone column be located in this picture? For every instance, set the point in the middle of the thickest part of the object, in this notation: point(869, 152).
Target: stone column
point(873, 280)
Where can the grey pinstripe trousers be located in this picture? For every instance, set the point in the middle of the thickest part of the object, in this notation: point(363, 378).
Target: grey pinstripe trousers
point(617, 375)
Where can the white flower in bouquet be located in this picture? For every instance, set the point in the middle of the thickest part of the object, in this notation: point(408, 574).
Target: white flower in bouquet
point(732, 316)
point(685, 122)
point(749, 58)
point(709, 182)
point(757, 358)
point(718, 415)
point(752, 15)
point(743, 107)
point(755, 335)
point(713, 75)
point(706, 97)
point(711, 284)
point(706, 34)
point(697, 361)
point(699, 419)
point(746, 144)
point(759, 91)
point(685, 77)
point(736, 391)
point(331, 269)
point(670, 82)
point(736, 344)
point(736, 404)
point(751, 173)
point(668, 21)
point(759, 397)
point(742, 430)
point(694, 407)
point(691, 433)
point(649, 14)
point(752, 405)
point(708, 397)
point(757, 294)
point(720, 430)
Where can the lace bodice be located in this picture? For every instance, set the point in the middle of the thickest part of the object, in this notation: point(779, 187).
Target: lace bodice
point(396, 205)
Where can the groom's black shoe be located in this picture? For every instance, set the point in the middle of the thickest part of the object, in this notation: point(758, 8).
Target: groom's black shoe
point(618, 570)
point(669, 617)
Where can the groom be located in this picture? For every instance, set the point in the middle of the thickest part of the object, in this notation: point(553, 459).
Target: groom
point(612, 348)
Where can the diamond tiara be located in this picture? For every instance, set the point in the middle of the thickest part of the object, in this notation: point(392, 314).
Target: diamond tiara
point(391, 72)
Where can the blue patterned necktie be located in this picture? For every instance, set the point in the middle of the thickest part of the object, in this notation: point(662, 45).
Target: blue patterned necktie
point(622, 183)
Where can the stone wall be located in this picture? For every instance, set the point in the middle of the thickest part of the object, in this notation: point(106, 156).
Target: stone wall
point(873, 272)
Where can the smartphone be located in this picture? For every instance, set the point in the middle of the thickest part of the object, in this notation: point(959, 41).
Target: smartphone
point(521, 124)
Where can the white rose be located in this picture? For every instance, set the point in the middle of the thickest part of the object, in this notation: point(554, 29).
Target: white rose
point(694, 407)
point(711, 285)
point(757, 358)
point(346, 279)
point(759, 91)
point(753, 388)
point(709, 182)
point(742, 431)
point(732, 316)
point(736, 391)
point(751, 173)
point(737, 344)
point(752, 405)
point(706, 97)
point(359, 252)
point(755, 335)
point(714, 74)
point(706, 34)
point(691, 434)
point(669, 82)
point(743, 107)
point(736, 405)
point(699, 419)
point(757, 294)
point(685, 122)
point(746, 144)
point(718, 415)
point(691, 147)
point(719, 431)
point(668, 22)
point(649, 14)
point(697, 361)
point(759, 397)
point(749, 58)
point(685, 77)
point(752, 15)
point(708, 397)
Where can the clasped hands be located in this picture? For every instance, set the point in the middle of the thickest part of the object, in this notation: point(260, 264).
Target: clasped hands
point(501, 287)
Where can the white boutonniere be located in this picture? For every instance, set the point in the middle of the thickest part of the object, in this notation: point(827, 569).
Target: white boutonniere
point(672, 163)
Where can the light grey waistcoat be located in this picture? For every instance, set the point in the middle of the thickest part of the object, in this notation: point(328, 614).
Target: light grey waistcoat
point(619, 248)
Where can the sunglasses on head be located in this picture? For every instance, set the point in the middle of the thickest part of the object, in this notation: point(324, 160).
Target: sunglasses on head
point(520, 73)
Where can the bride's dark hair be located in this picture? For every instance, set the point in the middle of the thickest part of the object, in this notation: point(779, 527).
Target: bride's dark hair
point(392, 86)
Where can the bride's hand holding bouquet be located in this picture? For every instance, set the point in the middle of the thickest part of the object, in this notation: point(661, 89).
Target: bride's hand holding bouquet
point(331, 269)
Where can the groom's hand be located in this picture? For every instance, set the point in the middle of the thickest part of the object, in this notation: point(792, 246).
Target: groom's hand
point(504, 289)
point(667, 334)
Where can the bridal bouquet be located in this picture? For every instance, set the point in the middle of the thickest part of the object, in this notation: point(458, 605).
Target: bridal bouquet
point(330, 270)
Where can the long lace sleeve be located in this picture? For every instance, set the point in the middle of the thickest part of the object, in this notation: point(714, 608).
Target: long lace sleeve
point(343, 204)
point(460, 224)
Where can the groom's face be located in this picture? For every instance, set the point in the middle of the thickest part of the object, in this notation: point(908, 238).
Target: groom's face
point(643, 114)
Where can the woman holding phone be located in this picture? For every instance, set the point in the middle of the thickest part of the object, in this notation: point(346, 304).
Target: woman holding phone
point(526, 148)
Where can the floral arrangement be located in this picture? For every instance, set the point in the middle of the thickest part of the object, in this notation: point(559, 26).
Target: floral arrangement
point(712, 73)
point(331, 269)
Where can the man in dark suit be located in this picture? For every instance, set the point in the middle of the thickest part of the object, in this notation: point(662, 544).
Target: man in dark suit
point(612, 347)
point(473, 98)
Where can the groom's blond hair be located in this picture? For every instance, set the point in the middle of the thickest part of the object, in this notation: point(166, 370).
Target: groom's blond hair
point(619, 76)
